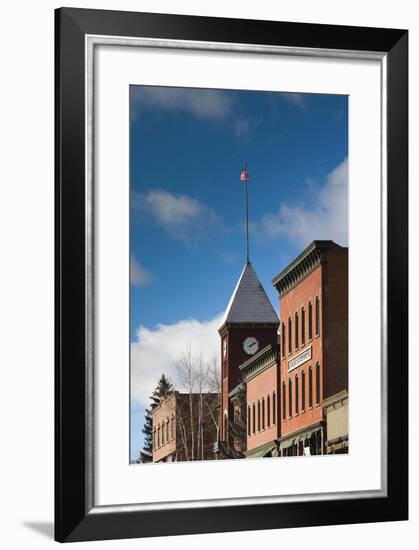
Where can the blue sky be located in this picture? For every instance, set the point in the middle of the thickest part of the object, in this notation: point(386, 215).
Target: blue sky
point(187, 208)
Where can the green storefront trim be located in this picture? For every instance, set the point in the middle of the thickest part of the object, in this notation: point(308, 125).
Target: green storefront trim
point(296, 437)
point(261, 451)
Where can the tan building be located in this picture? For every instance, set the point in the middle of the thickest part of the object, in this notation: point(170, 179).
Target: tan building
point(336, 413)
point(175, 437)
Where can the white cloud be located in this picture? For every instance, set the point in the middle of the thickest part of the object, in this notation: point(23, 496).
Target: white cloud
point(140, 276)
point(156, 351)
point(172, 210)
point(323, 216)
point(182, 217)
point(211, 104)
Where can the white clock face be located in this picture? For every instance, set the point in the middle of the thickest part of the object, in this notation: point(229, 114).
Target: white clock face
point(251, 345)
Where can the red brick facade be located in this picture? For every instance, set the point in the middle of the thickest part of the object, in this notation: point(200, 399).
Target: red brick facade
point(314, 343)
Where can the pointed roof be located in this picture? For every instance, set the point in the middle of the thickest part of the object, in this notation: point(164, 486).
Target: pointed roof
point(249, 302)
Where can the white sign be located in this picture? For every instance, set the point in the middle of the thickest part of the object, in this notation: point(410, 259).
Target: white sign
point(299, 359)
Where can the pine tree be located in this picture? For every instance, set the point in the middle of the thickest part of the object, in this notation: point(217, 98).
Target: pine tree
point(163, 389)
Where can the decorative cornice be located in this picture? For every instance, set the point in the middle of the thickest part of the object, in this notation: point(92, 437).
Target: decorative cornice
point(264, 359)
point(311, 257)
point(223, 328)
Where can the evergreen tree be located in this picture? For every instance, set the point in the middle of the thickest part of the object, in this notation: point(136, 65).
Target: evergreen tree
point(163, 389)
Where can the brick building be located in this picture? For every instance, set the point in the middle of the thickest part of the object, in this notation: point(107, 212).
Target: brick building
point(261, 374)
point(313, 293)
point(248, 326)
point(175, 438)
point(296, 383)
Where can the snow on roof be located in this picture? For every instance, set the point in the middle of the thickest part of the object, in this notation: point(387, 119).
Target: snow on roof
point(249, 302)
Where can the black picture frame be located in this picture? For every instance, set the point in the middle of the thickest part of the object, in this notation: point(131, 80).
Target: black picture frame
point(74, 518)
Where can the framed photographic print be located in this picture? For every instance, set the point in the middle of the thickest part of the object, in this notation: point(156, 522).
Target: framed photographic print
point(231, 274)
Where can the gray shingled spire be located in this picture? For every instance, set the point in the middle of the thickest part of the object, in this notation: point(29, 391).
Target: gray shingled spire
point(249, 302)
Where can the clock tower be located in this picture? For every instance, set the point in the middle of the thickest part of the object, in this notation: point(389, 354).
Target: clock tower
point(249, 325)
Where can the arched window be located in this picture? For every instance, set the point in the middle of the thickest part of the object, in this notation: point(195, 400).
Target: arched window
point(254, 418)
point(303, 391)
point(290, 397)
point(263, 413)
point(162, 434)
point(310, 321)
point(258, 416)
point(289, 335)
point(310, 387)
point(303, 326)
point(296, 330)
point(317, 383)
point(296, 394)
point(274, 408)
point(284, 403)
point(283, 339)
point(248, 420)
point(167, 431)
point(268, 411)
point(317, 316)
point(154, 439)
point(158, 436)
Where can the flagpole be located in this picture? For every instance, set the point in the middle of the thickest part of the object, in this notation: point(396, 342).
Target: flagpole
point(247, 221)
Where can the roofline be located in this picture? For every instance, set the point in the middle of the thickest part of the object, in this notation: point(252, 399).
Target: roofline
point(264, 359)
point(242, 324)
point(320, 246)
point(225, 318)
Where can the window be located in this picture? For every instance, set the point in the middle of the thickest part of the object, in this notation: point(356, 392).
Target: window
point(296, 330)
point(283, 339)
point(263, 413)
point(310, 321)
point(248, 420)
point(317, 383)
point(154, 439)
point(258, 416)
point(310, 387)
point(254, 418)
point(296, 394)
point(284, 405)
point(173, 427)
point(317, 316)
point(162, 434)
point(289, 335)
point(158, 436)
point(268, 411)
point(273, 408)
point(303, 391)
point(303, 326)
point(290, 397)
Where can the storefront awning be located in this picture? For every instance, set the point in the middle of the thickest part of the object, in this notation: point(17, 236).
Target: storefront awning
point(262, 451)
point(294, 439)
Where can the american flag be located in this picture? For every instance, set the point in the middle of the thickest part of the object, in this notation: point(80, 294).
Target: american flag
point(244, 176)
